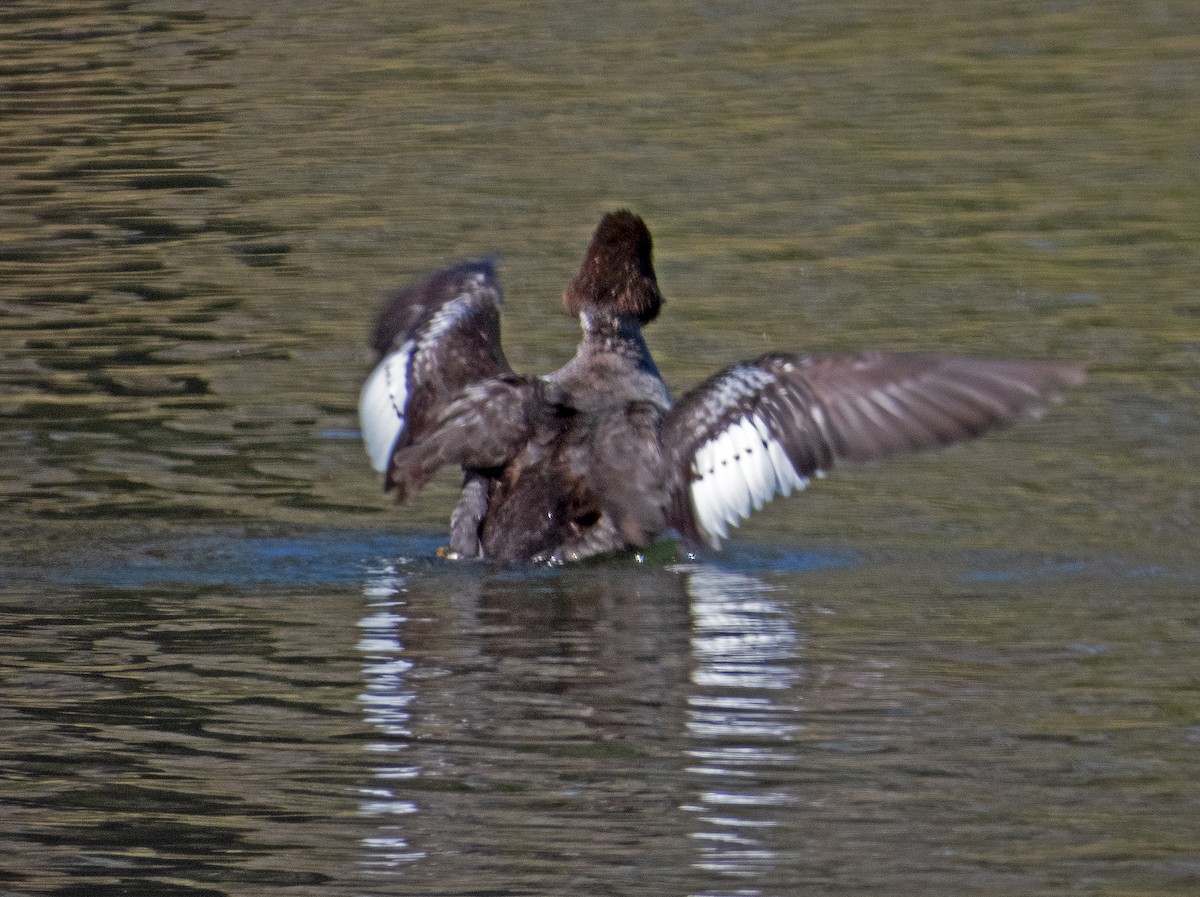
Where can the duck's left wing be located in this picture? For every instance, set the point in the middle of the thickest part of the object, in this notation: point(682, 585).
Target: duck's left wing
point(435, 339)
point(483, 428)
point(765, 427)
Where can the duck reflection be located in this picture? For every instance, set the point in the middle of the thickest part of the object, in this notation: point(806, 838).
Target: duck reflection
point(569, 725)
point(385, 701)
point(742, 716)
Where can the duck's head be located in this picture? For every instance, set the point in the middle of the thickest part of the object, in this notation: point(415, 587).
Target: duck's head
point(617, 274)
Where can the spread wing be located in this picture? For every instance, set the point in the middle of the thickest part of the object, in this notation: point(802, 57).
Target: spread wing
point(482, 428)
point(765, 427)
point(436, 339)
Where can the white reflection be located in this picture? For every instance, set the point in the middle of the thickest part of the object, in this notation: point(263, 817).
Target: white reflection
point(388, 853)
point(740, 638)
point(741, 717)
point(385, 701)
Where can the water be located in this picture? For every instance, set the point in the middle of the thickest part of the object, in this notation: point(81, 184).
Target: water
point(229, 666)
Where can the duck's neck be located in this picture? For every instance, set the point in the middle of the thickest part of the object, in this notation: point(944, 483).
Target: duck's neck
point(615, 334)
point(611, 365)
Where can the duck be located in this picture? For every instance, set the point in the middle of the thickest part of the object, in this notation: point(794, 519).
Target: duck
point(598, 458)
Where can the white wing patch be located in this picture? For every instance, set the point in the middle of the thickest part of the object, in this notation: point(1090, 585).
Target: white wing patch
point(446, 317)
point(382, 403)
point(739, 470)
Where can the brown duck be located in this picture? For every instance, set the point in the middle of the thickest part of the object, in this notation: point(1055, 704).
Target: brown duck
point(596, 457)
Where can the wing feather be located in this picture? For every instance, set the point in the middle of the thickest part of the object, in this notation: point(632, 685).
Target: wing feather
point(763, 428)
point(436, 339)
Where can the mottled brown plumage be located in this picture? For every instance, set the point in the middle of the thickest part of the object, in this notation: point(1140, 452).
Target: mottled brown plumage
point(596, 457)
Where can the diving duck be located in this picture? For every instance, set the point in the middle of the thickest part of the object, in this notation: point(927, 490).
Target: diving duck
point(597, 457)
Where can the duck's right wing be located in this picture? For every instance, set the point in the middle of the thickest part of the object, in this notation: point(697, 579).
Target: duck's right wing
point(439, 346)
point(765, 427)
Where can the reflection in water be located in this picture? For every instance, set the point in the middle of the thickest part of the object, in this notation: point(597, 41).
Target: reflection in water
point(742, 715)
point(612, 730)
point(567, 678)
point(386, 703)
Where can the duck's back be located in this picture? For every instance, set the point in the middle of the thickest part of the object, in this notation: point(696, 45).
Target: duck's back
point(591, 479)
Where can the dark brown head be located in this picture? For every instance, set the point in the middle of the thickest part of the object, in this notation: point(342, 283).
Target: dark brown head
point(617, 273)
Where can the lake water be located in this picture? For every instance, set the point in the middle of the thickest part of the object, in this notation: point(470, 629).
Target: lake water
point(230, 666)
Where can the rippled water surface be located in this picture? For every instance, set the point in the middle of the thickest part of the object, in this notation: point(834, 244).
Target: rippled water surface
point(229, 666)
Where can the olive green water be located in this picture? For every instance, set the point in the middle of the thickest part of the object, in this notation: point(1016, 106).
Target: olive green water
point(229, 666)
